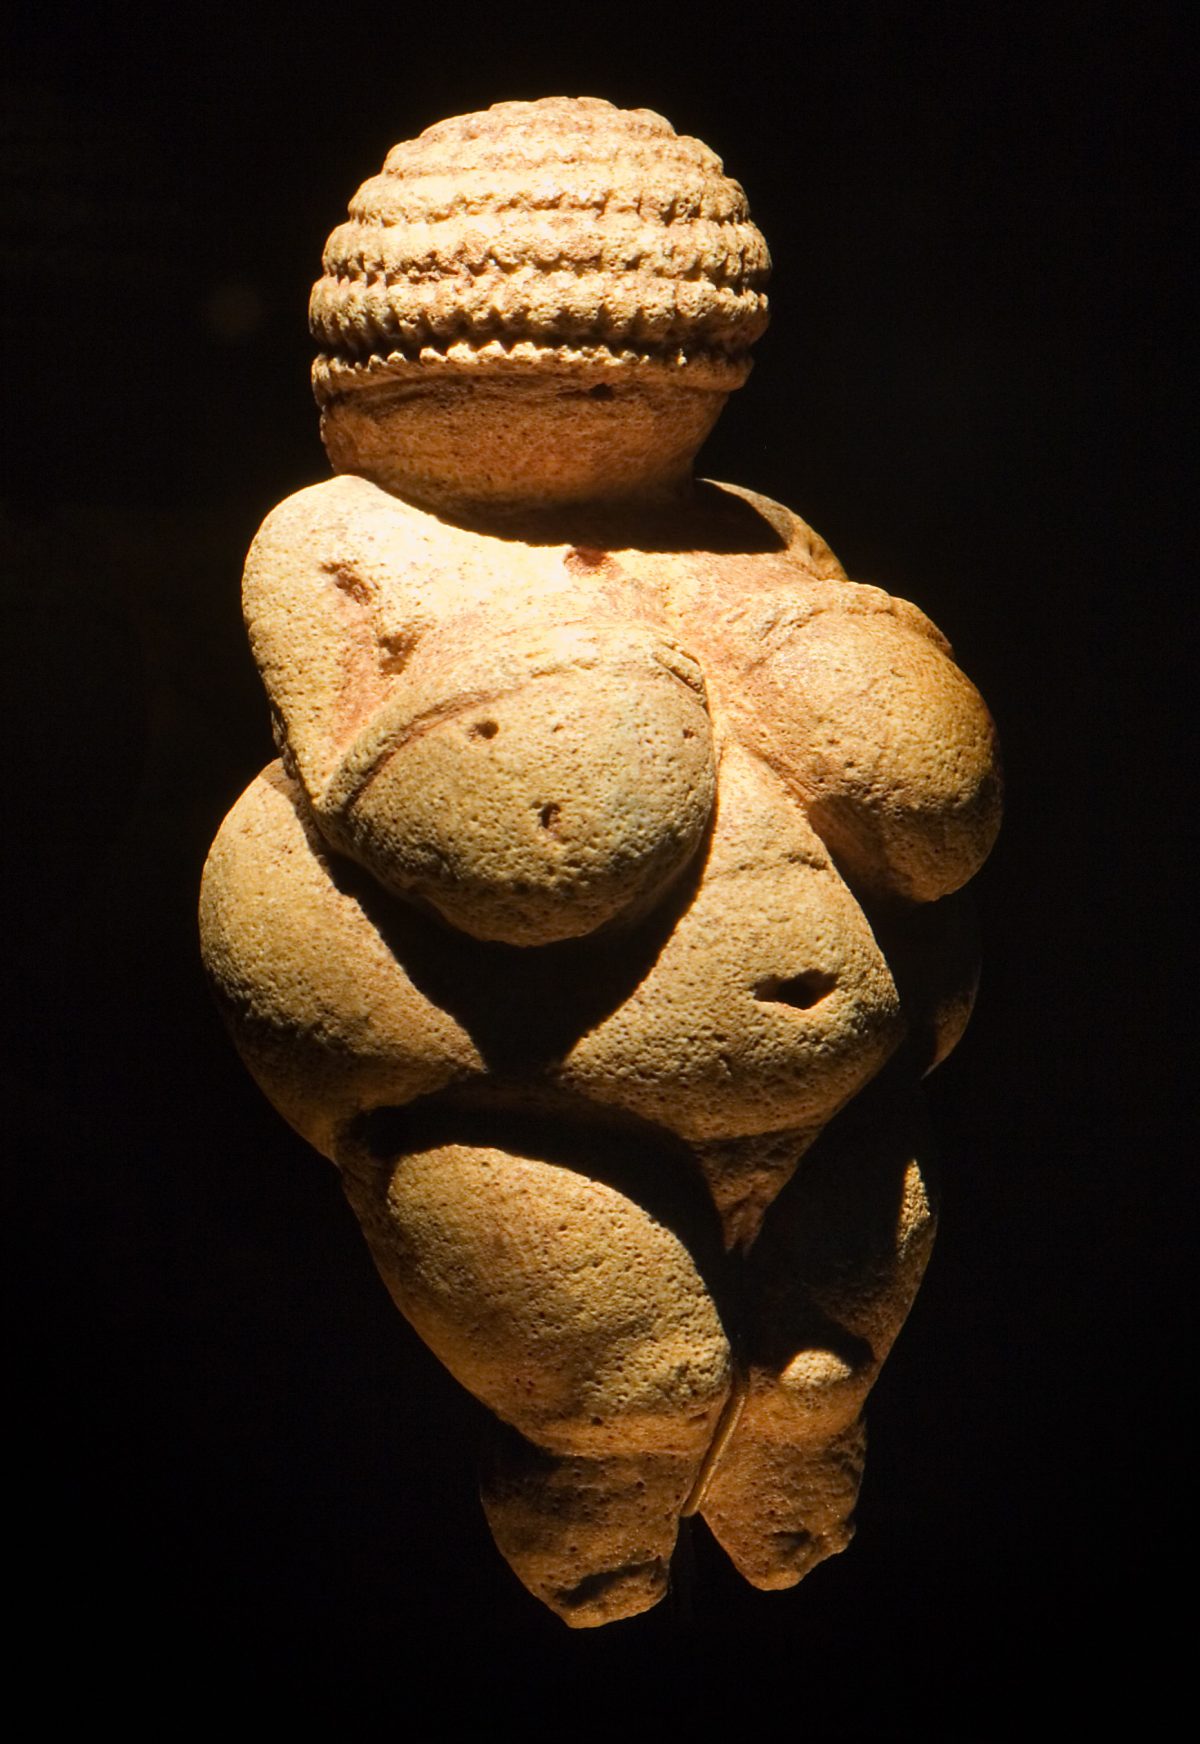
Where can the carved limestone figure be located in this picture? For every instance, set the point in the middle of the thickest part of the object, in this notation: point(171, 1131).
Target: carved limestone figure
point(599, 916)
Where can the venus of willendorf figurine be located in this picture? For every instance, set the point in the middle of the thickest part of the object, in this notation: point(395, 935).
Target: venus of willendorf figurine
point(599, 917)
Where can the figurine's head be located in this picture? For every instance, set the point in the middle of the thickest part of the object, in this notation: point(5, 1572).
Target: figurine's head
point(540, 303)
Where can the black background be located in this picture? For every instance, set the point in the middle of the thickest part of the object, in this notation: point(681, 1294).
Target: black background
point(248, 1487)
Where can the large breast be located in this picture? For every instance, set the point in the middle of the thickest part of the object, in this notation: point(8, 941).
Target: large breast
point(854, 699)
point(504, 731)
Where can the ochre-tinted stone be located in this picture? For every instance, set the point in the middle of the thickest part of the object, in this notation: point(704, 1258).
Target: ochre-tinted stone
point(606, 904)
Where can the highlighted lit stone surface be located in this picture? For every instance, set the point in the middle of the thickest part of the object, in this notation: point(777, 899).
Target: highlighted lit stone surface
point(602, 912)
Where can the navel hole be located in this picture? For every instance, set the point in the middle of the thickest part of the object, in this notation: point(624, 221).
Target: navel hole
point(581, 559)
point(801, 992)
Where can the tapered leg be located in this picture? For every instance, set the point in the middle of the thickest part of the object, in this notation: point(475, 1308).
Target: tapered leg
point(828, 1286)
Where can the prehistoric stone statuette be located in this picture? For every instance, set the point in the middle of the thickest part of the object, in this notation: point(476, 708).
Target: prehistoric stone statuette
point(599, 916)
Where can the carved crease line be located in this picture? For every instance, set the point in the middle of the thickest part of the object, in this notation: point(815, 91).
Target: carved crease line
point(357, 334)
point(351, 778)
point(726, 1427)
point(335, 372)
point(798, 619)
point(620, 246)
point(606, 154)
point(482, 202)
point(354, 270)
point(472, 297)
point(795, 857)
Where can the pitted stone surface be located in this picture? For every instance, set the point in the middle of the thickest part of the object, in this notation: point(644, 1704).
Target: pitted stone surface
point(606, 903)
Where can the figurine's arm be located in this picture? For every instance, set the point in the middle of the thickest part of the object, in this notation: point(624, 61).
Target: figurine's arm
point(311, 969)
point(803, 544)
point(331, 623)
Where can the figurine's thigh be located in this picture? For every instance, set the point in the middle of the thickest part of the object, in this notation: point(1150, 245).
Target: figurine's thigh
point(563, 1305)
point(830, 1284)
point(584, 1324)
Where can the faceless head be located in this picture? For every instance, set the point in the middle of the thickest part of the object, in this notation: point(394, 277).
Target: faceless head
point(541, 302)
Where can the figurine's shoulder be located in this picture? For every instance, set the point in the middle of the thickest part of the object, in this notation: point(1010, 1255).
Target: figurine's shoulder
point(342, 510)
point(349, 535)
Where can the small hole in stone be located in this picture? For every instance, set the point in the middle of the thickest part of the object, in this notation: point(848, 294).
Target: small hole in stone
point(581, 558)
point(601, 391)
point(484, 730)
point(548, 816)
point(801, 992)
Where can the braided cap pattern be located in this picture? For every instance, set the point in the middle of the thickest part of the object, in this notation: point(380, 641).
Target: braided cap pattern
point(559, 236)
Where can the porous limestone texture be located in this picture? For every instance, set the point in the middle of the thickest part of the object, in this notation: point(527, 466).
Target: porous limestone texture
point(603, 909)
